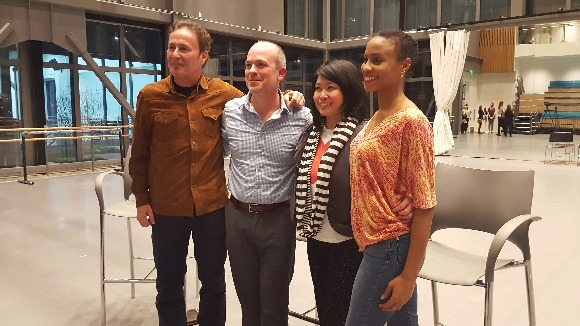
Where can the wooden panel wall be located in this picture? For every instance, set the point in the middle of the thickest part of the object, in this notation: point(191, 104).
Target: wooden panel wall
point(497, 49)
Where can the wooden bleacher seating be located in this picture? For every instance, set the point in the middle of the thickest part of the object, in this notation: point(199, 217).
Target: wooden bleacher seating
point(559, 106)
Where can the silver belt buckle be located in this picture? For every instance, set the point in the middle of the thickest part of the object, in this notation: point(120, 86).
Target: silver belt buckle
point(250, 208)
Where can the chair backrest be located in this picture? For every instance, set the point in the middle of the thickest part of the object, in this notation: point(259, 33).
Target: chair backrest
point(482, 200)
point(127, 180)
point(561, 137)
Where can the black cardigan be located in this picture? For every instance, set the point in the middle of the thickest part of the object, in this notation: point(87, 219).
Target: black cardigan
point(339, 200)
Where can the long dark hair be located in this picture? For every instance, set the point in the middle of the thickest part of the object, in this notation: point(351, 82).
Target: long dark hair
point(350, 80)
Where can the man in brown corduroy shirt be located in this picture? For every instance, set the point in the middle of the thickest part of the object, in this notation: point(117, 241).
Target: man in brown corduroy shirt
point(178, 175)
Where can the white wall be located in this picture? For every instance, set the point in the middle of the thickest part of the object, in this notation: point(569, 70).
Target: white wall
point(482, 89)
point(537, 72)
point(267, 14)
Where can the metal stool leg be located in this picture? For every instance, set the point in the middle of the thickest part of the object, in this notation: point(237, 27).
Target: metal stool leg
point(131, 256)
point(102, 268)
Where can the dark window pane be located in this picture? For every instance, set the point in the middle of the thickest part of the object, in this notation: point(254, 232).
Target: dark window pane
point(575, 4)
point(143, 48)
point(420, 14)
point(336, 23)
point(457, 11)
point(357, 18)
point(494, 9)
point(544, 6)
point(386, 14)
point(103, 43)
point(421, 93)
point(311, 62)
point(295, 17)
point(218, 63)
point(241, 85)
point(422, 65)
point(10, 93)
point(355, 56)
point(293, 65)
point(239, 53)
point(315, 21)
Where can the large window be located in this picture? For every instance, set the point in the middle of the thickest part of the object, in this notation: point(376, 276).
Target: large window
point(139, 53)
point(420, 14)
point(303, 18)
point(494, 9)
point(457, 11)
point(386, 14)
point(349, 18)
point(10, 111)
point(544, 6)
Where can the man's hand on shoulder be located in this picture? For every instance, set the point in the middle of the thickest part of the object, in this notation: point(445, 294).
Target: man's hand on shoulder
point(294, 99)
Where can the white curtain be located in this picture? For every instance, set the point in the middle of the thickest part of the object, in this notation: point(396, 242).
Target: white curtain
point(447, 58)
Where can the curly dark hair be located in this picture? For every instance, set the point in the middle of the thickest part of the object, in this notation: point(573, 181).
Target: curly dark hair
point(405, 44)
point(349, 78)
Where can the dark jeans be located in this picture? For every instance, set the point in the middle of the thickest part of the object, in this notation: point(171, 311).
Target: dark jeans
point(333, 267)
point(261, 250)
point(170, 236)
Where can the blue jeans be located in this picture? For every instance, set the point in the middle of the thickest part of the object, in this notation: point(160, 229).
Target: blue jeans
point(170, 236)
point(382, 262)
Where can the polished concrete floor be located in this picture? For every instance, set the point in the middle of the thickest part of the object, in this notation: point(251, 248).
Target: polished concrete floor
point(49, 251)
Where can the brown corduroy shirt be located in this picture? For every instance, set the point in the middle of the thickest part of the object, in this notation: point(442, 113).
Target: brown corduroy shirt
point(176, 160)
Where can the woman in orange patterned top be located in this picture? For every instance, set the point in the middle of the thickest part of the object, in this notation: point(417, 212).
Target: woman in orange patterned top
point(391, 157)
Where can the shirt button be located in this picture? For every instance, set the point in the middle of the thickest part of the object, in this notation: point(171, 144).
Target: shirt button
point(191, 122)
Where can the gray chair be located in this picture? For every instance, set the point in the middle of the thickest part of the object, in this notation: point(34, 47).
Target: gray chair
point(561, 144)
point(507, 219)
point(121, 209)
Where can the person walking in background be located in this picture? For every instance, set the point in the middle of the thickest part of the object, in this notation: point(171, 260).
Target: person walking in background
point(464, 118)
point(322, 200)
point(480, 116)
point(500, 116)
point(392, 155)
point(490, 118)
point(508, 124)
point(261, 132)
point(485, 117)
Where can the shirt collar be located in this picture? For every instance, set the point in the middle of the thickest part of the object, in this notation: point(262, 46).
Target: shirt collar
point(282, 108)
point(201, 84)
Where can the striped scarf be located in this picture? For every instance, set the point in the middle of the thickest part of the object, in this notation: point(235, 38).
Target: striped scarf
point(310, 209)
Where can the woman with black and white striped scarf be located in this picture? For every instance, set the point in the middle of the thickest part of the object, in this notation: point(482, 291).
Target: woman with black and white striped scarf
point(322, 203)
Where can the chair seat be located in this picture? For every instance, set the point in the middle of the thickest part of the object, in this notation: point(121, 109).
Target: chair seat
point(448, 265)
point(125, 208)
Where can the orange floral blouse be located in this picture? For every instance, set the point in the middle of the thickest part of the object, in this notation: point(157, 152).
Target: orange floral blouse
point(394, 159)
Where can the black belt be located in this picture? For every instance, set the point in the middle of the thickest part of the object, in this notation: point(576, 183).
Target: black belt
point(258, 208)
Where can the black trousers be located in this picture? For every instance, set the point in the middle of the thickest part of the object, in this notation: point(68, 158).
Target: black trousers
point(508, 126)
point(170, 236)
point(333, 267)
point(261, 251)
